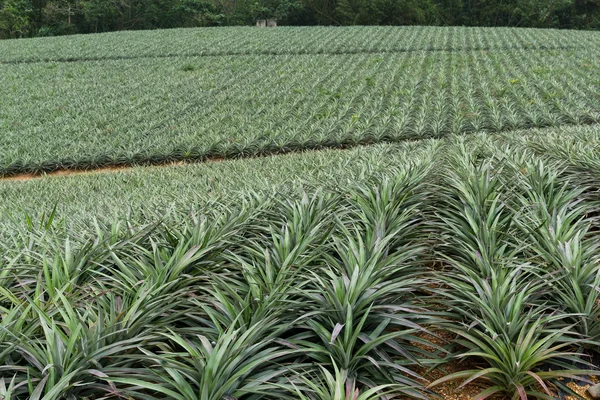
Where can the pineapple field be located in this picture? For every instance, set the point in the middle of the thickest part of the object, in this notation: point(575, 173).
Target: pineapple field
point(300, 213)
point(168, 100)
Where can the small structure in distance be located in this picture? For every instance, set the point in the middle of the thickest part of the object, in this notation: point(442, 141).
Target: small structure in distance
point(266, 23)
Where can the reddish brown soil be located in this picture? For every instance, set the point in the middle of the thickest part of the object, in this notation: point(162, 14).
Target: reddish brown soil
point(69, 172)
point(451, 391)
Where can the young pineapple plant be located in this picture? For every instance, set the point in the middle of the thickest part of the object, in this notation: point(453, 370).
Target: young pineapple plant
point(554, 220)
point(494, 294)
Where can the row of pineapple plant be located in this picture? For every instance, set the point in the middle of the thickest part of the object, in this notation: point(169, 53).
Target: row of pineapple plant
point(331, 295)
point(289, 40)
point(83, 115)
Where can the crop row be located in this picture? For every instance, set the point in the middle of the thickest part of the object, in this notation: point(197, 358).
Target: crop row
point(491, 248)
point(287, 40)
point(140, 192)
point(89, 114)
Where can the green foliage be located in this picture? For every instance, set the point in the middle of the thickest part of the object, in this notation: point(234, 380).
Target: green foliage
point(88, 113)
point(14, 18)
point(314, 275)
point(220, 307)
point(191, 13)
point(331, 292)
point(60, 17)
point(385, 12)
point(504, 301)
point(277, 9)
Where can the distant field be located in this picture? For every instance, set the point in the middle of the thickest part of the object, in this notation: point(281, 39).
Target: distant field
point(152, 97)
point(287, 40)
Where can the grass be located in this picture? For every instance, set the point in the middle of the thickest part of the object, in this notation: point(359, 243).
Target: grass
point(334, 274)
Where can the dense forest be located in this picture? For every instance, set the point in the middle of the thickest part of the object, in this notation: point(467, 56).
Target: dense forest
point(27, 18)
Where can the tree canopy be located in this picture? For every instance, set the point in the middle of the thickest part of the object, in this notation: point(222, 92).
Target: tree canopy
point(26, 18)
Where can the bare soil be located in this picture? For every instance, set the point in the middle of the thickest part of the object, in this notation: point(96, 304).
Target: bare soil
point(103, 170)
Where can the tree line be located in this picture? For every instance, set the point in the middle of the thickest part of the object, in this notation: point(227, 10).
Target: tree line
point(28, 18)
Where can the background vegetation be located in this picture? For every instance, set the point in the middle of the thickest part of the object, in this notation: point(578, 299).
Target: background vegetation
point(27, 18)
